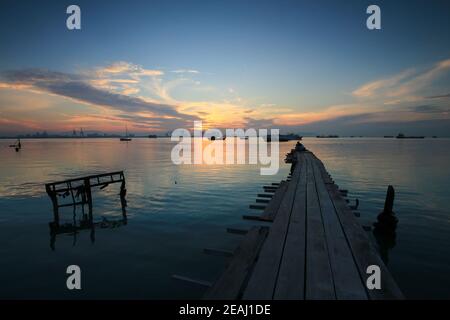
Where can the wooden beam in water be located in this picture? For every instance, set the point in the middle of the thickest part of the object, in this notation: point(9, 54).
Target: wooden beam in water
point(191, 280)
point(257, 207)
point(218, 252)
point(237, 231)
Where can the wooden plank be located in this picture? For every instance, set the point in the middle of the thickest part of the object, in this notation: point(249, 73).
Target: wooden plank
point(273, 206)
point(363, 251)
point(291, 277)
point(263, 279)
point(347, 283)
point(231, 282)
point(319, 279)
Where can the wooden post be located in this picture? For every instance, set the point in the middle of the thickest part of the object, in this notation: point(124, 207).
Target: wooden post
point(123, 201)
point(87, 190)
point(54, 199)
point(389, 202)
point(387, 221)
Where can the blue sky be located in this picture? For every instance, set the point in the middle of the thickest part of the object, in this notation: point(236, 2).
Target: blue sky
point(297, 65)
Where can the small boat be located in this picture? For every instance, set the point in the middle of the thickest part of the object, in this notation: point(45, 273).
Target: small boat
point(402, 136)
point(152, 136)
point(17, 146)
point(126, 138)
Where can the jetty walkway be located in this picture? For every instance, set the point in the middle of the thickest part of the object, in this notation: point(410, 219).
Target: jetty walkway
point(315, 248)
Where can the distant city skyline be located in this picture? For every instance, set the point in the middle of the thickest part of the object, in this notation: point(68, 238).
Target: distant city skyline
point(154, 66)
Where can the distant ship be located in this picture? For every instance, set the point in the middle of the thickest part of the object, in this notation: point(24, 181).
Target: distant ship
point(289, 137)
point(126, 138)
point(285, 137)
point(402, 136)
point(328, 136)
point(152, 136)
point(213, 138)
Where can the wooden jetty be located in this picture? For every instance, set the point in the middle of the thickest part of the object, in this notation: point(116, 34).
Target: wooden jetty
point(315, 247)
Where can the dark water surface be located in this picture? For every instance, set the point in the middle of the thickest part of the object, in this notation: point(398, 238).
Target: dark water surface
point(176, 211)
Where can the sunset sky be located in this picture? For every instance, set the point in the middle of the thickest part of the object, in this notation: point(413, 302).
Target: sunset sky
point(301, 66)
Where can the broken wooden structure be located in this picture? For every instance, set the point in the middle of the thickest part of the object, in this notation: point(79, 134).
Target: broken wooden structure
point(79, 192)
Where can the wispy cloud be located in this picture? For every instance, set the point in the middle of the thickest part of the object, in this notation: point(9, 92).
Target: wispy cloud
point(430, 109)
point(149, 98)
point(80, 89)
point(441, 96)
point(374, 88)
point(127, 68)
point(193, 71)
point(405, 85)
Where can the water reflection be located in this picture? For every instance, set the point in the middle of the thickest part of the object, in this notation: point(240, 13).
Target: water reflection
point(386, 242)
point(86, 222)
point(195, 211)
point(386, 226)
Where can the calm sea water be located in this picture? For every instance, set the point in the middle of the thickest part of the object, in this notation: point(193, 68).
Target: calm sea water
point(176, 211)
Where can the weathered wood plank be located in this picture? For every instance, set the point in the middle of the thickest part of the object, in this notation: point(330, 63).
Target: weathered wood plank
point(291, 277)
point(319, 278)
point(363, 251)
point(231, 282)
point(347, 283)
point(263, 279)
